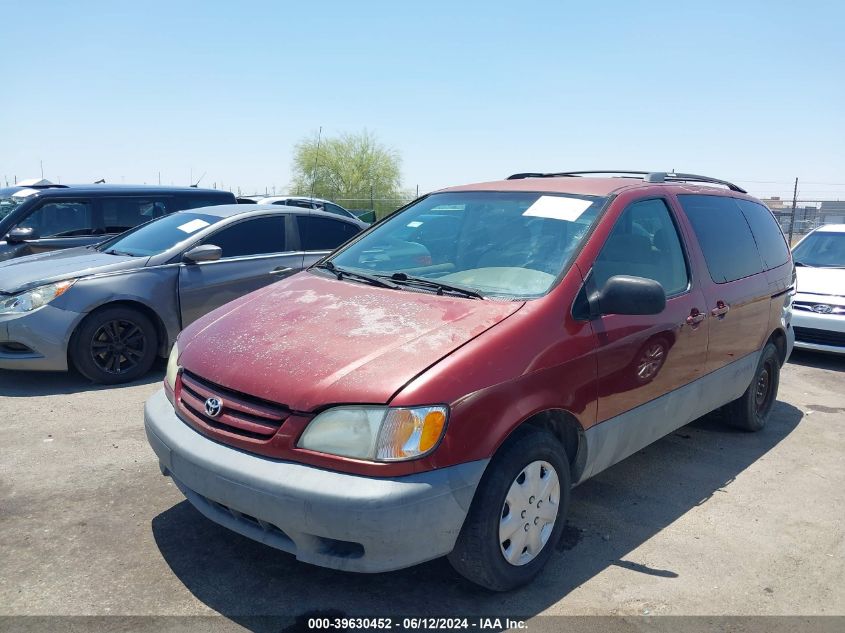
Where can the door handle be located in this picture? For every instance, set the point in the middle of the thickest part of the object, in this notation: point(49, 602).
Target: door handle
point(695, 317)
point(721, 309)
point(281, 270)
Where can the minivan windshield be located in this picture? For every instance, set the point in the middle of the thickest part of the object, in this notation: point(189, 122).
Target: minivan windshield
point(159, 235)
point(505, 244)
point(825, 249)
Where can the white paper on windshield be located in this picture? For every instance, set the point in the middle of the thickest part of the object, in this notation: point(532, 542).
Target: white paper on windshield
point(414, 224)
point(557, 208)
point(23, 193)
point(193, 226)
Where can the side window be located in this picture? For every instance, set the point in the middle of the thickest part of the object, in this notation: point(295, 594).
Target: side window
point(122, 214)
point(195, 202)
point(337, 210)
point(724, 236)
point(644, 242)
point(770, 240)
point(62, 219)
point(303, 204)
point(260, 236)
point(323, 234)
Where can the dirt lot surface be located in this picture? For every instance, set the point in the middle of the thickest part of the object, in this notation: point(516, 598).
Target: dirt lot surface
point(707, 521)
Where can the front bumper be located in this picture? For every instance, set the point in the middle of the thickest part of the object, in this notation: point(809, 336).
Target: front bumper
point(819, 332)
point(331, 519)
point(45, 333)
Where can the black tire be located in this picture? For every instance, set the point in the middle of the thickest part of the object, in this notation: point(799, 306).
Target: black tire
point(750, 411)
point(479, 555)
point(114, 345)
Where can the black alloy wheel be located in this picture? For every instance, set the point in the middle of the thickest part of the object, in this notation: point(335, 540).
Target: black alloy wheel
point(114, 345)
point(118, 346)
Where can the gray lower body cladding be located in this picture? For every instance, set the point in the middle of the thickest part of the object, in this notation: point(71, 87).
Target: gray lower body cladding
point(615, 439)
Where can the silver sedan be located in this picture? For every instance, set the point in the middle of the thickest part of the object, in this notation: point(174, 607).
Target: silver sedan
point(110, 309)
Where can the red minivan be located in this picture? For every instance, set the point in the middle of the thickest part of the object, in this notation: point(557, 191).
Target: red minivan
point(438, 384)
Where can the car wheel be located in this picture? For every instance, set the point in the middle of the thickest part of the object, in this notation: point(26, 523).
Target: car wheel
point(750, 411)
point(518, 513)
point(114, 345)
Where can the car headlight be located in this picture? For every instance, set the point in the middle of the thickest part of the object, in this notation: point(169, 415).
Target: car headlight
point(35, 298)
point(172, 367)
point(382, 434)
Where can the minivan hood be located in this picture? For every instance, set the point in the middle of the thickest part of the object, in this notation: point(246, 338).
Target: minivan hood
point(821, 281)
point(17, 275)
point(309, 341)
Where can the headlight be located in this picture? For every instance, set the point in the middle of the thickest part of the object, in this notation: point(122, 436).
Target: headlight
point(172, 367)
point(35, 298)
point(379, 434)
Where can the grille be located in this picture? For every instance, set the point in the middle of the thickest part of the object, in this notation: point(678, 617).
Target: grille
point(246, 518)
point(15, 348)
point(808, 307)
point(241, 414)
point(819, 337)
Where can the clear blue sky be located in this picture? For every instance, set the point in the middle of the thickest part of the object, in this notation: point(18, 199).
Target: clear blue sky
point(465, 91)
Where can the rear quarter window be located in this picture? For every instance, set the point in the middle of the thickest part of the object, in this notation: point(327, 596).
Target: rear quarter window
point(770, 240)
point(724, 236)
point(324, 234)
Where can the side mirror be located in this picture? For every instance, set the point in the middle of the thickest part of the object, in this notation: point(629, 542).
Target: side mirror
point(21, 234)
point(622, 294)
point(204, 253)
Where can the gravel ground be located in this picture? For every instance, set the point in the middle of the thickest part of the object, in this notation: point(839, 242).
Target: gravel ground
point(707, 521)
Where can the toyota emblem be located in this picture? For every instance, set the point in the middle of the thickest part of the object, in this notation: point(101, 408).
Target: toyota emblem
point(213, 407)
point(822, 308)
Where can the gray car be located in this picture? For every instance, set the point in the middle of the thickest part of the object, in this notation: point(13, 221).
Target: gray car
point(111, 308)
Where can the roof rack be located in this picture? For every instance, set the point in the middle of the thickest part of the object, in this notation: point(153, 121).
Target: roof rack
point(50, 186)
point(648, 176)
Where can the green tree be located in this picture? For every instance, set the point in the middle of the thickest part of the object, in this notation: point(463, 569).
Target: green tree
point(352, 169)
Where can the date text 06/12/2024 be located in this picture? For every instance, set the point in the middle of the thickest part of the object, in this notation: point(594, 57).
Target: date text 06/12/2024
point(413, 624)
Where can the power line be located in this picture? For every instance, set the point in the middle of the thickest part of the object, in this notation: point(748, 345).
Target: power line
point(789, 182)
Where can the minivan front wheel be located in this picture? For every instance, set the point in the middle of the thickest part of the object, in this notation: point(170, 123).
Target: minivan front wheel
point(518, 513)
point(750, 412)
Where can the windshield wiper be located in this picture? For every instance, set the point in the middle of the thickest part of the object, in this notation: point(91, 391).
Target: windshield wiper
point(440, 286)
point(113, 251)
point(340, 273)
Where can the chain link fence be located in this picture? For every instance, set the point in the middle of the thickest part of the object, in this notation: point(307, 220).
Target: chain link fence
point(808, 215)
point(372, 209)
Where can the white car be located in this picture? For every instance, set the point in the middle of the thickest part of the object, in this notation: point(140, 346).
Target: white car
point(309, 203)
point(818, 314)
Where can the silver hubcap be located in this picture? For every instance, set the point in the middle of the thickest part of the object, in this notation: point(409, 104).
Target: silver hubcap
point(529, 513)
point(650, 362)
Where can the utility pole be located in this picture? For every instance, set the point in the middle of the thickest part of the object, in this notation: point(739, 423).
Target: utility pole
point(316, 161)
point(792, 219)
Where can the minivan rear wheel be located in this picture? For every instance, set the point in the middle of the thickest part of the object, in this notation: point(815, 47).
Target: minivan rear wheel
point(114, 345)
point(750, 412)
point(518, 513)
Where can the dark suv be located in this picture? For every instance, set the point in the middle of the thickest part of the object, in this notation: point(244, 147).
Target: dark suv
point(50, 217)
